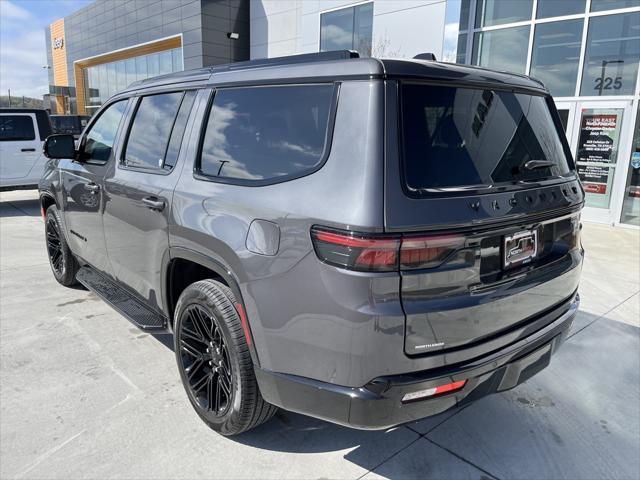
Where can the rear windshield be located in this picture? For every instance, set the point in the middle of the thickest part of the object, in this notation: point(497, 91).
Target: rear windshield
point(464, 137)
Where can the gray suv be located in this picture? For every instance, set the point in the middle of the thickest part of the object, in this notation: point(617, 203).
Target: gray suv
point(365, 241)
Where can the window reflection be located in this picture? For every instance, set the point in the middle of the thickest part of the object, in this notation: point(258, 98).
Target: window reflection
point(496, 12)
point(504, 49)
point(613, 52)
point(556, 52)
point(348, 29)
point(103, 81)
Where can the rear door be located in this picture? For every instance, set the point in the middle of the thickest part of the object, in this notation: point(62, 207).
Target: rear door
point(139, 190)
point(481, 184)
point(20, 145)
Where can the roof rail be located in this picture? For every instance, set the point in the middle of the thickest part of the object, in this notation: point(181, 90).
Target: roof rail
point(292, 59)
point(425, 56)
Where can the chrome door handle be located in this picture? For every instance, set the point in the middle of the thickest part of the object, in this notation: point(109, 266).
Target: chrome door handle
point(92, 187)
point(153, 203)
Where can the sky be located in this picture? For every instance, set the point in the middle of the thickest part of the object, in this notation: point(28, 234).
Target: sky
point(22, 43)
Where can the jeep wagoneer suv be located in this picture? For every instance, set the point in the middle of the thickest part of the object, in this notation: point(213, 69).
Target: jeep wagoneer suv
point(364, 241)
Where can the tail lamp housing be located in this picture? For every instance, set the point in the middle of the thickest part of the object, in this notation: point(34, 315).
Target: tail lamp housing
point(382, 252)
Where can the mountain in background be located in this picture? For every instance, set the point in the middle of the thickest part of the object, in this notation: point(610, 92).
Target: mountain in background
point(16, 102)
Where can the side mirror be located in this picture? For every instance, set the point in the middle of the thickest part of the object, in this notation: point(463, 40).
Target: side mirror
point(59, 146)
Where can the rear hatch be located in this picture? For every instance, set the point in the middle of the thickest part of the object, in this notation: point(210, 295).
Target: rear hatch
point(481, 186)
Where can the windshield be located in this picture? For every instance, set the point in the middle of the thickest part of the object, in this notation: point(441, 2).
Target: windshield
point(464, 137)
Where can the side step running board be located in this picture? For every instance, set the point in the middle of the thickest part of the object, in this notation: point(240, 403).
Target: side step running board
point(126, 304)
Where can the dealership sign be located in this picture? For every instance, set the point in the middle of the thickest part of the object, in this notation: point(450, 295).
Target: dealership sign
point(58, 43)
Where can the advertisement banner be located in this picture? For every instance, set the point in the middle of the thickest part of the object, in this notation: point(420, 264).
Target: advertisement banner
point(598, 138)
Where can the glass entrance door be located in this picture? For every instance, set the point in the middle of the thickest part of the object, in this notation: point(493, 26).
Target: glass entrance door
point(596, 139)
point(631, 201)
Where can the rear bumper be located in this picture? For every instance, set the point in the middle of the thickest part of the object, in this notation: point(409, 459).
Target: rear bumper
point(378, 404)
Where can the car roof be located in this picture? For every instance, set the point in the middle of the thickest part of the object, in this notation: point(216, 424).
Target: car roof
point(338, 65)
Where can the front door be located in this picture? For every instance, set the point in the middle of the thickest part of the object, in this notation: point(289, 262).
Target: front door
point(597, 137)
point(139, 190)
point(82, 187)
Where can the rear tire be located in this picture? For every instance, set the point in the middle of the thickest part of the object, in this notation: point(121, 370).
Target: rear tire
point(214, 360)
point(63, 264)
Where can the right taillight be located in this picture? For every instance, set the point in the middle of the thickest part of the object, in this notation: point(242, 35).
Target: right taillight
point(382, 252)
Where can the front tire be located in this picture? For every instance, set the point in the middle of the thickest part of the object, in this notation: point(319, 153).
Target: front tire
point(63, 264)
point(214, 360)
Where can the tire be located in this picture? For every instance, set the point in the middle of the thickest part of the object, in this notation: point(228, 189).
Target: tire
point(214, 361)
point(63, 264)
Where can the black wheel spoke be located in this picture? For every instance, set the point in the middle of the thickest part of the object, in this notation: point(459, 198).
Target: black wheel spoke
point(189, 349)
point(205, 360)
point(54, 246)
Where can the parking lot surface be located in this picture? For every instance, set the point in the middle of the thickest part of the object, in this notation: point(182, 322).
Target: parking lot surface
point(85, 394)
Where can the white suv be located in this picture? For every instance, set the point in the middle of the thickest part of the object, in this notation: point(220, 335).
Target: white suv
point(22, 131)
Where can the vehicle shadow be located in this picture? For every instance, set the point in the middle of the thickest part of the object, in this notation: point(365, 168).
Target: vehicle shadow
point(23, 207)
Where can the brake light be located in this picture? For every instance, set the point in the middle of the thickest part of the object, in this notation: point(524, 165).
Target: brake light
point(370, 253)
point(382, 252)
point(434, 392)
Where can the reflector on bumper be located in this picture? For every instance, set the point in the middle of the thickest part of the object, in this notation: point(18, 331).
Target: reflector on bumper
point(435, 391)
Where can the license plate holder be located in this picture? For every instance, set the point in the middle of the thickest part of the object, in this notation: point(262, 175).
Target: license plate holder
point(519, 248)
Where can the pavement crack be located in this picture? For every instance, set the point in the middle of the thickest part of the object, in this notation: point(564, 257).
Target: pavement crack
point(603, 315)
point(46, 455)
point(389, 458)
point(460, 457)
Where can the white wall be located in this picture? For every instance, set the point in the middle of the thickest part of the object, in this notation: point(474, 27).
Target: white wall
point(405, 27)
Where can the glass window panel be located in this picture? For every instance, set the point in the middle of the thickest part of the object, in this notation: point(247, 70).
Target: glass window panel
point(556, 52)
point(176, 59)
point(461, 53)
point(504, 49)
point(267, 132)
point(179, 127)
point(631, 204)
point(153, 64)
point(99, 140)
point(111, 78)
point(444, 149)
point(150, 130)
point(363, 29)
point(497, 12)
point(556, 8)
point(601, 5)
point(130, 67)
point(464, 14)
point(121, 75)
point(165, 62)
point(16, 127)
point(103, 82)
point(336, 30)
point(141, 68)
point(612, 54)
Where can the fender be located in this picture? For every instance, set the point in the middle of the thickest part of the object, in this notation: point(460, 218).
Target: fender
point(214, 265)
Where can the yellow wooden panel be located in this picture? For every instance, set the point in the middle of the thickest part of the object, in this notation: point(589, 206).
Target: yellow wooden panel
point(59, 54)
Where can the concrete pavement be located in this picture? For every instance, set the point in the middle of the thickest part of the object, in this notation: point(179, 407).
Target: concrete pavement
point(84, 394)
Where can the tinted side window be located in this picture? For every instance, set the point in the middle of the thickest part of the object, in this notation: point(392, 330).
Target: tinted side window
point(16, 128)
point(149, 135)
point(177, 134)
point(98, 142)
point(264, 133)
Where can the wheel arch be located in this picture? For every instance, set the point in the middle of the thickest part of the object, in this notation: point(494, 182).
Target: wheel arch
point(201, 266)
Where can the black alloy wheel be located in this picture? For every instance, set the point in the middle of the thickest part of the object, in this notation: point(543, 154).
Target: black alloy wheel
point(63, 264)
point(214, 360)
point(54, 246)
point(205, 360)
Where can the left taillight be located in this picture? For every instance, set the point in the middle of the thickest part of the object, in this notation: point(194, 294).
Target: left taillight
point(382, 252)
point(367, 253)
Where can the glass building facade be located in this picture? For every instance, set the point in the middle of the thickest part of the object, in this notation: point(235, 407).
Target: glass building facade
point(104, 80)
point(587, 52)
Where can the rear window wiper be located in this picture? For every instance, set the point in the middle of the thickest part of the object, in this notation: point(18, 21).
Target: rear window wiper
point(535, 164)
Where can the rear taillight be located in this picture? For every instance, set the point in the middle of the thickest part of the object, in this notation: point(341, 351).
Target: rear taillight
point(367, 253)
point(382, 253)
